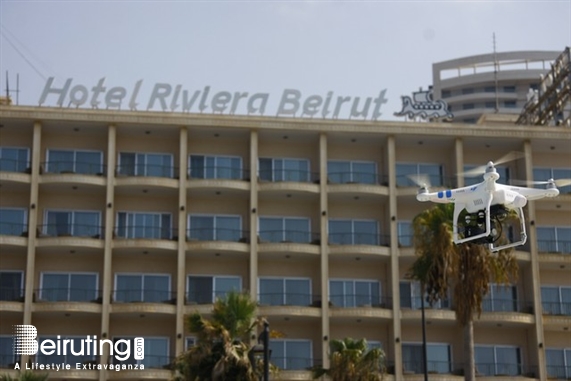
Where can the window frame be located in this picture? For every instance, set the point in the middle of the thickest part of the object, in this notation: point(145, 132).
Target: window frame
point(374, 174)
point(370, 296)
point(215, 228)
point(22, 291)
point(142, 288)
point(27, 164)
point(284, 301)
point(213, 278)
point(25, 218)
point(495, 364)
point(284, 342)
point(145, 165)
point(215, 167)
point(69, 288)
point(283, 177)
point(377, 236)
point(72, 224)
point(133, 214)
point(51, 151)
point(284, 231)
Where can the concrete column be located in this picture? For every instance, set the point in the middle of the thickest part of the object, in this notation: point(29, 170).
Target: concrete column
point(459, 149)
point(395, 279)
point(254, 213)
point(108, 249)
point(324, 212)
point(181, 254)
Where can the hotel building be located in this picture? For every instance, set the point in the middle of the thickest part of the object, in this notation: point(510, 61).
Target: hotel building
point(476, 85)
point(120, 223)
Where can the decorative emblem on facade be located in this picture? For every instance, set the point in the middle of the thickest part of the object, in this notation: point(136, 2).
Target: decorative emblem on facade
point(424, 106)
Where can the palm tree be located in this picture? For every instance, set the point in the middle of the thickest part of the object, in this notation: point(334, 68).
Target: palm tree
point(25, 376)
point(351, 361)
point(222, 347)
point(469, 268)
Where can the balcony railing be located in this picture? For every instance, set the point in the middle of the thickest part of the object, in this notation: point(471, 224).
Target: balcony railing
point(356, 178)
point(293, 363)
point(359, 300)
point(12, 228)
point(507, 305)
point(11, 294)
point(218, 234)
point(75, 230)
point(498, 369)
point(201, 297)
point(556, 308)
point(145, 232)
point(66, 294)
point(550, 246)
point(138, 295)
point(148, 170)
point(219, 172)
point(558, 372)
point(13, 165)
point(286, 236)
point(417, 367)
point(288, 299)
point(414, 303)
point(358, 239)
point(78, 167)
point(289, 175)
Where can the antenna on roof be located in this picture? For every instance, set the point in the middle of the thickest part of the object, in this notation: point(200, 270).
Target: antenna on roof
point(496, 68)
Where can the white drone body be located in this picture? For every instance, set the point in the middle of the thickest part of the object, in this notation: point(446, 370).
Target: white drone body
point(484, 200)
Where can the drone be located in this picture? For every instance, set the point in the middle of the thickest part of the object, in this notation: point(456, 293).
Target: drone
point(480, 209)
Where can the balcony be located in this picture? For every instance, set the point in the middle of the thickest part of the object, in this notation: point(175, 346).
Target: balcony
point(359, 244)
point(15, 171)
point(289, 304)
point(140, 301)
point(11, 299)
point(147, 176)
point(359, 306)
point(208, 240)
point(135, 238)
point(554, 247)
point(73, 167)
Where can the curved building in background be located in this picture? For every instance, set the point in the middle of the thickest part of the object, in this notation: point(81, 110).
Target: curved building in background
point(486, 83)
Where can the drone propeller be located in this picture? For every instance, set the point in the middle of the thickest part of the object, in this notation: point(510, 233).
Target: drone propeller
point(511, 156)
point(558, 182)
point(422, 180)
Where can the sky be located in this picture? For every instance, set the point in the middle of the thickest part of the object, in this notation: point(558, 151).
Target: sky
point(350, 48)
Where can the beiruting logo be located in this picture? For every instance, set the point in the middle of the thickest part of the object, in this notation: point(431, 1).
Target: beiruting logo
point(26, 343)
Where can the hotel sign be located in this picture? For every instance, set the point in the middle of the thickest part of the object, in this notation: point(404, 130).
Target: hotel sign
point(176, 98)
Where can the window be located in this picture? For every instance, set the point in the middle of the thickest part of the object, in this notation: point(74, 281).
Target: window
point(215, 167)
point(144, 225)
point(467, 106)
point(497, 360)
point(353, 232)
point(150, 288)
point(361, 172)
point(215, 228)
point(509, 89)
point(285, 291)
point(354, 293)
point(544, 174)
point(206, 289)
point(510, 104)
point(554, 239)
point(7, 356)
point(556, 300)
point(11, 285)
point(78, 345)
point(468, 90)
point(490, 105)
point(503, 171)
point(490, 89)
point(145, 164)
point(72, 223)
point(14, 159)
point(433, 171)
point(500, 298)
point(13, 221)
point(410, 297)
point(189, 342)
point(291, 354)
point(70, 161)
point(285, 229)
point(438, 358)
point(446, 94)
point(156, 354)
point(405, 233)
point(284, 170)
point(70, 287)
point(558, 363)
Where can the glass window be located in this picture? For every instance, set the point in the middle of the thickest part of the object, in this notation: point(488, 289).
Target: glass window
point(433, 171)
point(544, 174)
point(145, 164)
point(8, 358)
point(558, 363)
point(71, 161)
point(510, 104)
point(13, 159)
point(206, 289)
point(405, 233)
point(446, 94)
point(490, 89)
point(73, 223)
point(150, 288)
point(467, 106)
point(291, 354)
point(215, 228)
point(285, 229)
point(410, 297)
point(437, 358)
point(68, 358)
point(284, 170)
point(554, 239)
point(490, 105)
point(71, 287)
point(556, 300)
point(13, 221)
point(353, 232)
point(11, 285)
point(497, 360)
point(285, 291)
point(509, 89)
point(144, 225)
point(354, 293)
point(156, 355)
point(500, 298)
point(215, 167)
point(361, 172)
point(468, 90)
